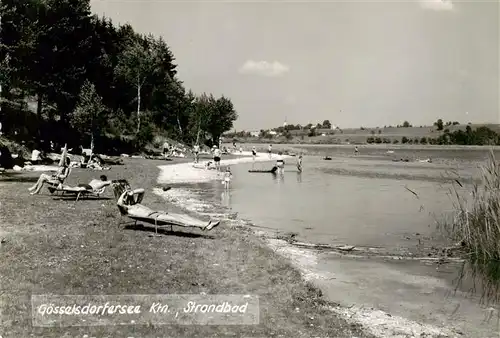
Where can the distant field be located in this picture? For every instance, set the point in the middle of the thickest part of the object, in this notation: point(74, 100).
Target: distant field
point(359, 136)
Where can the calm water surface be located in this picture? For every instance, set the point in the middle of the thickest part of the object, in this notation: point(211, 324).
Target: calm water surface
point(365, 200)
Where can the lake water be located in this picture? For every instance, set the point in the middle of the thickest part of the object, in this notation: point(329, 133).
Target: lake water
point(366, 200)
point(370, 201)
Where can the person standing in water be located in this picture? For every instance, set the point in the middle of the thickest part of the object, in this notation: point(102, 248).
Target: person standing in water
point(254, 155)
point(280, 163)
point(196, 153)
point(217, 154)
point(227, 178)
point(299, 163)
point(270, 150)
point(356, 150)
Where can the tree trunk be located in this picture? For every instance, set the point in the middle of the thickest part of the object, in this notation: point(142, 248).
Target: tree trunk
point(179, 124)
point(198, 134)
point(91, 143)
point(39, 105)
point(138, 105)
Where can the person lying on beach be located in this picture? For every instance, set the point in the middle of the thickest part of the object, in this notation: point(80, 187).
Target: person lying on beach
point(93, 185)
point(129, 204)
point(96, 165)
point(56, 178)
point(92, 162)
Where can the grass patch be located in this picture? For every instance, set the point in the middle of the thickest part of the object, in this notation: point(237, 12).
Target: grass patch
point(55, 246)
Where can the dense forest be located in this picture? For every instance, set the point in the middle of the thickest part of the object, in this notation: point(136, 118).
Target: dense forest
point(89, 80)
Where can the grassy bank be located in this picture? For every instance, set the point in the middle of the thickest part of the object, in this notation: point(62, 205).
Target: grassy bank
point(53, 246)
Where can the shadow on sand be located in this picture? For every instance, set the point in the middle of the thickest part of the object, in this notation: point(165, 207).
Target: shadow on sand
point(73, 198)
point(165, 231)
point(17, 177)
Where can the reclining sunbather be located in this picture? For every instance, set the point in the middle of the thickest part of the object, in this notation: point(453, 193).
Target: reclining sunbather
point(55, 179)
point(93, 185)
point(129, 203)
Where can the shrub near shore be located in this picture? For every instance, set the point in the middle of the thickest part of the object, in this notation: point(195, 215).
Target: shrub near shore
point(476, 228)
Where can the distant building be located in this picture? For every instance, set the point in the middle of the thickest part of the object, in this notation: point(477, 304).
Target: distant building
point(255, 133)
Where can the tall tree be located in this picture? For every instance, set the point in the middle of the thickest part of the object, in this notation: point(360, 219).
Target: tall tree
point(221, 117)
point(439, 124)
point(63, 51)
point(138, 63)
point(326, 124)
point(88, 115)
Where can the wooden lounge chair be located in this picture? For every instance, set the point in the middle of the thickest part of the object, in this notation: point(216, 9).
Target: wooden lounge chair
point(82, 190)
point(52, 185)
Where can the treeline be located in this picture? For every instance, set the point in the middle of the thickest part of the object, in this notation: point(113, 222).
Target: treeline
point(479, 136)
point(92, 79)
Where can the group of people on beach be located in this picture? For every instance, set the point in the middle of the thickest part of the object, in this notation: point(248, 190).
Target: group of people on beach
point(128, 199)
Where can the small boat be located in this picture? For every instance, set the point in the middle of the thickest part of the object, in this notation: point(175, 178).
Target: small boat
point(327, 158)
point(272, 171)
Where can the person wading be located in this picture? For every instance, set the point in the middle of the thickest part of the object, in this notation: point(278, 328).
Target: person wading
point(217, 155)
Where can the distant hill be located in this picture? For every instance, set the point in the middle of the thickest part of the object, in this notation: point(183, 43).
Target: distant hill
point(361, 135)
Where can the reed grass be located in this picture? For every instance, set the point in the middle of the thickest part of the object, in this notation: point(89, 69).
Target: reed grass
point(476, 227)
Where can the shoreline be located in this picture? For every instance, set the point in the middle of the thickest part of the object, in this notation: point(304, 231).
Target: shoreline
point(304, 255)
point(263, 144)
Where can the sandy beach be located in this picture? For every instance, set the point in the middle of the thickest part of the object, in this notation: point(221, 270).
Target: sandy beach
point(53, 245)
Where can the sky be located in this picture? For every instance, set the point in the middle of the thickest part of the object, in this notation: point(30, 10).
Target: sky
point(354, 63)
